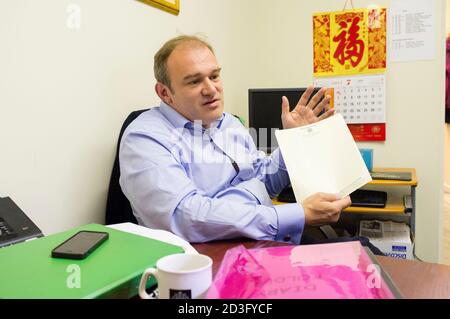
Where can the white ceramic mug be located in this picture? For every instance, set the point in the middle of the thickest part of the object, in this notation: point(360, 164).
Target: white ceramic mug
point(179, 276)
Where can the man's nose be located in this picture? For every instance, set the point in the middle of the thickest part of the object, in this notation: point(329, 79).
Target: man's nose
point(208, 87)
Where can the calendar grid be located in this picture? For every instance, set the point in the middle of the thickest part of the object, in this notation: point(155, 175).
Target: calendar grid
point(359, 99)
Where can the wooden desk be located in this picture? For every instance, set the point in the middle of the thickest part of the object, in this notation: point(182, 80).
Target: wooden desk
point(414, 279)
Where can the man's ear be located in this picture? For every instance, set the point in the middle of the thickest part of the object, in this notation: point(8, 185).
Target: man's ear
point(163, 93)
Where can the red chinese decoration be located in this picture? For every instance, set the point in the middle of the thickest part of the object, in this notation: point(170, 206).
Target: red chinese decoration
point(350, 46)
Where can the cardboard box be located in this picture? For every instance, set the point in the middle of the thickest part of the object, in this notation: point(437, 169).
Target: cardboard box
point(393, 239)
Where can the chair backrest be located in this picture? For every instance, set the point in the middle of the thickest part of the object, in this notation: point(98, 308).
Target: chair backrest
point(118, 208)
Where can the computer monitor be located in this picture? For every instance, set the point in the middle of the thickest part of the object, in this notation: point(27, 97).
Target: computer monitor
point(264, 113)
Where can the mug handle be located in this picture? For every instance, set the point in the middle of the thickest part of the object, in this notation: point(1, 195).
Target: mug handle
point(143, 284)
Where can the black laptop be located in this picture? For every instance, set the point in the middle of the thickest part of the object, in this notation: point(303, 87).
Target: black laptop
point(15, 226)
point(369, 198)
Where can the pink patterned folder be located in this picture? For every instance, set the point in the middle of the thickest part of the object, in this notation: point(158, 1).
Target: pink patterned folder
point(338, 270)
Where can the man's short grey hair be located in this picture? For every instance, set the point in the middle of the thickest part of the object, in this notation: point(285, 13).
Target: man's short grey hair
point(161, 57)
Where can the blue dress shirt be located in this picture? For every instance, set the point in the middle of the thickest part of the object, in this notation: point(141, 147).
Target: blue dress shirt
point(204, 184)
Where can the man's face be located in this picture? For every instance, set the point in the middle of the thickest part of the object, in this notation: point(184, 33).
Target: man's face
point(197, 91)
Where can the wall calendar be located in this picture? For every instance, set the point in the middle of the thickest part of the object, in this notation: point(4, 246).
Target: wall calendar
point(361, 100)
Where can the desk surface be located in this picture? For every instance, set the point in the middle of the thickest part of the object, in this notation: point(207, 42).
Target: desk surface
point(414, 279)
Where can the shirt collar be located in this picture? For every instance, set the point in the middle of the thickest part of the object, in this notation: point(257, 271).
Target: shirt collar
point(178, 120)
point(175, 118)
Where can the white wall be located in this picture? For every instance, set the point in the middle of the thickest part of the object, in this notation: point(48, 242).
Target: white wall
point(447, 126)
point(64, 93)
point(447, 159)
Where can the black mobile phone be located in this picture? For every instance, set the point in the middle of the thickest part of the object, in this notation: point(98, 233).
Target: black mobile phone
point(80, 245)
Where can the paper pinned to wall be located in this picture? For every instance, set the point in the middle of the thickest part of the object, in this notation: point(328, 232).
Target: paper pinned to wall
point(322, 157)
point(413, 30)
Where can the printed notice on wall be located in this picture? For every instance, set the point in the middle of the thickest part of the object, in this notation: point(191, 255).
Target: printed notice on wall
point(413, 30)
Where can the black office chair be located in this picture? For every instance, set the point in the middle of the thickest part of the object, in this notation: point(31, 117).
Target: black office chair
point(118, 208)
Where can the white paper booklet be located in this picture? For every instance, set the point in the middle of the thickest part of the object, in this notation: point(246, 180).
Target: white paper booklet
point(158, 234)
point(322, 157)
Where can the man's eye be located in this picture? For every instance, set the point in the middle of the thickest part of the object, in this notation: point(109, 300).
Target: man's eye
point(214, 77)
point(194, 82)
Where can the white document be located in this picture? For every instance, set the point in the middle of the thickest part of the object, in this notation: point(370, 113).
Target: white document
point(391, 231)
point(322, 157)
point(158, 234)
point(413, 30)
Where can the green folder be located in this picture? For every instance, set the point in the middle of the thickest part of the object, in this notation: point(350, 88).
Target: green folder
point(113, 270)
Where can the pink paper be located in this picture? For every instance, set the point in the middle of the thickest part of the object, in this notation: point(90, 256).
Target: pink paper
point(240, 276)
point(338, 270)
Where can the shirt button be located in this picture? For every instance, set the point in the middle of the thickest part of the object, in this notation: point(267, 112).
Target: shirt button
point(287, 238)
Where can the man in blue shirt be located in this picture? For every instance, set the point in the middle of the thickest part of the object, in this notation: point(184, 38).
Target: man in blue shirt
point(188, 167)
